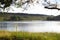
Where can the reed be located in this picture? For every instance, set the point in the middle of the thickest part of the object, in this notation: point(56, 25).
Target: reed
point(6, 35)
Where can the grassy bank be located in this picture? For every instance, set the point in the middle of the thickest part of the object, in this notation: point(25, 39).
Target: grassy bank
point(5, 35)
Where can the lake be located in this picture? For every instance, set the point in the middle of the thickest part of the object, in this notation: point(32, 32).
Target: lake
point(31, 26)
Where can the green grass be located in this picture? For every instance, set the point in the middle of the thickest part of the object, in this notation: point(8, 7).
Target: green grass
point(5, 35)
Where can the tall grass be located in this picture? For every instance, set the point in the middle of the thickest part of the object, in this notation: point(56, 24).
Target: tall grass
point(5, 35)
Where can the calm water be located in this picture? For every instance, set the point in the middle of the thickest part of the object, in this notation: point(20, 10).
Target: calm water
point(31, 26)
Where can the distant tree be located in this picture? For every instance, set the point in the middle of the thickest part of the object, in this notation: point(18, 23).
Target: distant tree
point(50, 18)
point(57, 17)
point(15, 18)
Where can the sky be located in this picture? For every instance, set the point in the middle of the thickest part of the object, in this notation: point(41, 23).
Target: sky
point(36, 9)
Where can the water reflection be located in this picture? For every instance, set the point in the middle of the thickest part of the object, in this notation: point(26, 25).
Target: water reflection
point(3, 26)
point(31, 26)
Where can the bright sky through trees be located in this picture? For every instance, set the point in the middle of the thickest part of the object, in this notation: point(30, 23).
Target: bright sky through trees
point(35, 8)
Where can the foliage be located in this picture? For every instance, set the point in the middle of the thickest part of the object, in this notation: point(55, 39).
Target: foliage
point(49, 5)
point(54, 18)
point(20, 3)
point(21, 17)
point(6, 2)
point(29, 36)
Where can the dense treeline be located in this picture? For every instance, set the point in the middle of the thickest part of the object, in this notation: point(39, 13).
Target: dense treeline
point(26, 16)
point(54, 18)
point(21, 16)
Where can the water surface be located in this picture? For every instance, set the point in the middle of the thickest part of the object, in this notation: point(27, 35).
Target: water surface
point(31, 26)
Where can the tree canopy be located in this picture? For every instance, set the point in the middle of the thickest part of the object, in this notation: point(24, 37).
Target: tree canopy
point(49, 4)
point(7, 3)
